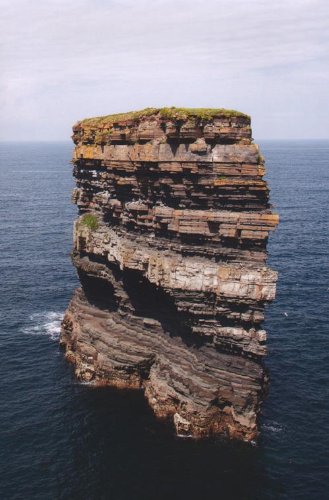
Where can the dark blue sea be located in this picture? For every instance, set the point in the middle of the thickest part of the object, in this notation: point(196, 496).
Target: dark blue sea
point(64, 440)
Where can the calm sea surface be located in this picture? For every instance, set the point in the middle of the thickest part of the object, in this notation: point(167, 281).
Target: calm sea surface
point(64, 440)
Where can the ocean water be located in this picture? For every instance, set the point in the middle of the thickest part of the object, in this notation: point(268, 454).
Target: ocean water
point(64, 440)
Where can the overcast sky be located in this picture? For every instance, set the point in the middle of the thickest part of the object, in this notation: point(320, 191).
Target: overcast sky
point(64, 60)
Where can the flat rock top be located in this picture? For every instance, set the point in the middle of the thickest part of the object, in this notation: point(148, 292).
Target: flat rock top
point(184, 114)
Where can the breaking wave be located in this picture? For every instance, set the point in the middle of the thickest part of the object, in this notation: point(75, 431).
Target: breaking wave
point(45, 323)
point(273, 427)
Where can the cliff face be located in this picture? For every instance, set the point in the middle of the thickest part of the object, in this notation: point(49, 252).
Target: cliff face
point(170, 248)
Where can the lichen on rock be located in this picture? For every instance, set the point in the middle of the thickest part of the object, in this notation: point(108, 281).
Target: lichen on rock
point(170, 248)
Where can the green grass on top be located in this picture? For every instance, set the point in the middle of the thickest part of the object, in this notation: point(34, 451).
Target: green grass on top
point(169, 113)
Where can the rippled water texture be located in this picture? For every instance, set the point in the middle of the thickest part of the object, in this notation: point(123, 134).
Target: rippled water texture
point(62, 440)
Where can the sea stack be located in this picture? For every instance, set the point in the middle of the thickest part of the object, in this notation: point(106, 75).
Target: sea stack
point(170, 249)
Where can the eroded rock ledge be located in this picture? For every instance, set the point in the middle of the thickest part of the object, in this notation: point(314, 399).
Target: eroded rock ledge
point(170, 248)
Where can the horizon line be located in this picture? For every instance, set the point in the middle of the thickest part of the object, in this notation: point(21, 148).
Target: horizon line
point(258, 139)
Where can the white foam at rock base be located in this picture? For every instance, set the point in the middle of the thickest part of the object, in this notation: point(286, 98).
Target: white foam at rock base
point(45, 323)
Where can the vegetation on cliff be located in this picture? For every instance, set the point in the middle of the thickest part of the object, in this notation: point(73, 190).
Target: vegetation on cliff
point(166, 113)
point(90, 221)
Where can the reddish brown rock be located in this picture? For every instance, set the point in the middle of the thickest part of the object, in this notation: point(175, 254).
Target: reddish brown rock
point(170, 248)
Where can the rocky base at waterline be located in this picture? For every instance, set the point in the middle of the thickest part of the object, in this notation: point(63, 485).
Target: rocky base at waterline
point(170, 248)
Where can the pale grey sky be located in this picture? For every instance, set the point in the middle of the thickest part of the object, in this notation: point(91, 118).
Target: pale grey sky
point(64, 60)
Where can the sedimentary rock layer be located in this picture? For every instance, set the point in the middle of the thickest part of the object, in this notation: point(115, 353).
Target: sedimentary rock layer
point(170, 248)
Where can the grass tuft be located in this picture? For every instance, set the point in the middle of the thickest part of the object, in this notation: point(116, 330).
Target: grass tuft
point(90, 221)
